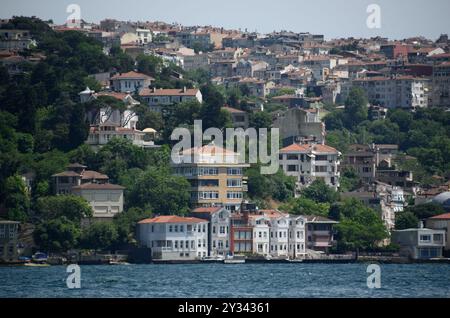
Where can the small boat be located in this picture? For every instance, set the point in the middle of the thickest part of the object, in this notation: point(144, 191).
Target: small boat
point(234, 260)
point(212, 259)
point(118, 263)
point(36, 264)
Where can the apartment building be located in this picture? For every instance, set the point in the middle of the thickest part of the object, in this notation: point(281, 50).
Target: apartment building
point(440, 96)
point(300, 126)
point(219, 228)
point(363, 160)
point(319, 233)
point(405, 92)
point(310, 162)
point(159, 99)
point(130, 82)
point(216, 176)
point(174, 238)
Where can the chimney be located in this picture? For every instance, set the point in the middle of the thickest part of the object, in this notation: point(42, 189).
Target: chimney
point(154, 89)
point(184, 89)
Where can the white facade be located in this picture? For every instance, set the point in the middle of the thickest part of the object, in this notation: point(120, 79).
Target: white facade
point(398, 92)
point(106, 200)
point(157, 99)
point(144, 36)
point(311, 162)
point(261, 235)
point(297, 244)
point(174, 238)
point(130, 82)
point(279, 237)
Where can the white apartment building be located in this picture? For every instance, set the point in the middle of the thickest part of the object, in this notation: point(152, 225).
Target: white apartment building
point(261, 234)
point(174, 238)
point(130, 82)
point(297, 237)
point(397, 92)
point(158, 99)
point(218, 229)
point(107, 123)
point(308, 163)
point(144, 36)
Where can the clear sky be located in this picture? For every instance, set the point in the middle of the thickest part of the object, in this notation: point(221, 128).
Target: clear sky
point(333, 18)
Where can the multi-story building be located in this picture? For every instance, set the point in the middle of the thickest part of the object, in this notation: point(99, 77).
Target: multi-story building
point(216, 176)
point(8, 241)
point(130, 82)
point(218, 229)
point(319, 233)
point(300, 126)
point(159, 99)
point(279, 233)
point(108, 122)
point(195, 62)
point(421, 243)
point(310, 162)
point(363, 160)
point(144, 36)
point(238, 117)
point(106, 199)
point(441, 85)
point(15, 40)
point(297, 237)
point(406, 92)
point(174, 238)
point(441, 222)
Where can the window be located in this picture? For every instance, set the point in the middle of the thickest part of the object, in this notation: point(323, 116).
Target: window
point(234, 171)
point(234, 183)
point(234, 195)
point(170, 228)
point(425, 238)
point(292, 168)
point(292, 157)
point(181, 228)
point(321, 158)
point(321, 169)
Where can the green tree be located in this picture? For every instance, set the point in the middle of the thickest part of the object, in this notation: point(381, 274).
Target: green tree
point(17, 201)
point(426, 210)
point(260, 120)
point(71, 207)
point(406, 220)
point(99, 235)
point(359, 228)
point(57, 235)
point(304, 206)
point(126, 224)
point(320, 192)
point(356, 110)
point(161, 192)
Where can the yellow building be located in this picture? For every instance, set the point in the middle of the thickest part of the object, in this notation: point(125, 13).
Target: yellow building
point(215, 174)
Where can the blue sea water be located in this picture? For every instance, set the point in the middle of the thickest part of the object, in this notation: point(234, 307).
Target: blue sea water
point(228, 281)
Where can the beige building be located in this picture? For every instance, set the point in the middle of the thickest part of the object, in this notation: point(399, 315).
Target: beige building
point(105, 199)
point(216, 177)
point(8, 241)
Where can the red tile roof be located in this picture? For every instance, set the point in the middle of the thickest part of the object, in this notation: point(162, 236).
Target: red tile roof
point(445, 216)
point(168, 92)
point(171, 219)
point(131, 75)
point(294, 148)
point(207, 210)
point(98, 186)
